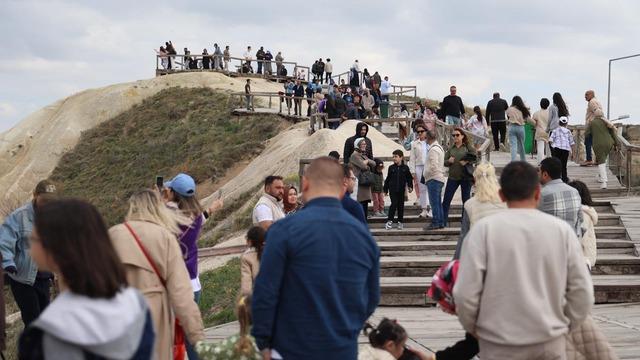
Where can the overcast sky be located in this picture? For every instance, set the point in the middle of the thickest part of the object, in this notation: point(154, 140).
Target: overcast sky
point(535, 48)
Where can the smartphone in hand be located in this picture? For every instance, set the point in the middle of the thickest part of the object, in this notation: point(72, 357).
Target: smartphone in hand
point(159, 182)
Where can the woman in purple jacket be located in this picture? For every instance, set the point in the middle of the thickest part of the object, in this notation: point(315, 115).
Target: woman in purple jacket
point(179, 193)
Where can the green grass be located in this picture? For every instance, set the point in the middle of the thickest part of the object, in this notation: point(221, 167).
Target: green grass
point(177, 130)
point(220, 290)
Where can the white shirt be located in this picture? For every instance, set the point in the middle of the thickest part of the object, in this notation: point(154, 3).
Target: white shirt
point(385, 87)
point(263, 213)
point(247, 56)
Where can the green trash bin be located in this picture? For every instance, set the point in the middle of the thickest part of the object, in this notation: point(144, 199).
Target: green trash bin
point(529, 132)
point(384, 109)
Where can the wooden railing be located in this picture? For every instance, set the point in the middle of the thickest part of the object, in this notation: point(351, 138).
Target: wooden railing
point(234, 65)
point(621, 161)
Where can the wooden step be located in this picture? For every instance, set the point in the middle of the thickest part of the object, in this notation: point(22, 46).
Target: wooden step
point(605, 232)
point(601, 207)
point(409, 291)
point(447, 247)
point(378, 222)
point(410, 266)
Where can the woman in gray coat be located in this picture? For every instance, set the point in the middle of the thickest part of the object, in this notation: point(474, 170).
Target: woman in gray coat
point(361, 163)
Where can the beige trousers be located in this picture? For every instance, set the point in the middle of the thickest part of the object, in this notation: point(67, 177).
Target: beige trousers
point(555, 349)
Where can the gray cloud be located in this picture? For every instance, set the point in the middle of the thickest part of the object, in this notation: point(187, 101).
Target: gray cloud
point(532, 49)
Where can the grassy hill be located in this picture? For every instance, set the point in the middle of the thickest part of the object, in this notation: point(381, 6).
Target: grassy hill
point(177, 130)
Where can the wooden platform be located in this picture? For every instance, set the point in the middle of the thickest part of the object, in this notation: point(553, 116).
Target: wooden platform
point(430, 329)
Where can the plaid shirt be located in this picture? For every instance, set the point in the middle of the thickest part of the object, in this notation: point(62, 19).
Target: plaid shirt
point(562, 201)
point(562, 138)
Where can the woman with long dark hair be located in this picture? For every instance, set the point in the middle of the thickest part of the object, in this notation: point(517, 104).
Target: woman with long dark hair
point(517, 114)
point(290, 200)
point(556, 110)
point(97, 314)
point(456, 158)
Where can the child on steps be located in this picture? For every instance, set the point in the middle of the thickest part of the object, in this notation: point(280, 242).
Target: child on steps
point(398, 179)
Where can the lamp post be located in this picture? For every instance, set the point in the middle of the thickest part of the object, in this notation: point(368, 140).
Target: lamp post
point(609, 80)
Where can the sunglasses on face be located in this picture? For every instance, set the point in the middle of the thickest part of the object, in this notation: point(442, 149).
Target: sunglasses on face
point(455, 135)
point(420, 131)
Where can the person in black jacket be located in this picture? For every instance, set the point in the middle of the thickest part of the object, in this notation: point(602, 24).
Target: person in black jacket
point(298, 92)
point(452, 107)
point(361, 132)
point(398, 179)
point(496, 117)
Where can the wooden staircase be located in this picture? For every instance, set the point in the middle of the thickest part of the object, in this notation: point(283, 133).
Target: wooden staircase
point(411, 256)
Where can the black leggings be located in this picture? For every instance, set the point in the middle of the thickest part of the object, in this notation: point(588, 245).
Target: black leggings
point(365, 207)
point(31, 299)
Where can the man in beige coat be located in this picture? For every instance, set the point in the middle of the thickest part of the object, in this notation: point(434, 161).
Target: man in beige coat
point(169, 293)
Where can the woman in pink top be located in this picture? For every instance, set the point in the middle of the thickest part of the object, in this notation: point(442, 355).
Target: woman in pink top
point(430, 118)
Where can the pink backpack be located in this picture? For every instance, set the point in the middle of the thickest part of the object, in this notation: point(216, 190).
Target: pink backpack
point(441, 289)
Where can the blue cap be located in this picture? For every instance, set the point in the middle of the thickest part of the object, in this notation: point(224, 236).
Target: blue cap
point(183, 184)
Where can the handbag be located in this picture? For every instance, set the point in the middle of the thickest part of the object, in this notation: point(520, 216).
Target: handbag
point(365, 178)
point(179, 343)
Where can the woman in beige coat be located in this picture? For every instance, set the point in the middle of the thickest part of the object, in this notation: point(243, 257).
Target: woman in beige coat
point(360, 163)
point(156, 228)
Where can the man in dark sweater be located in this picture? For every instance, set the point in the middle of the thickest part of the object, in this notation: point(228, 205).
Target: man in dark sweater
point(452, 107)
point(319, 275)
point(496, 108)
point(298, 92)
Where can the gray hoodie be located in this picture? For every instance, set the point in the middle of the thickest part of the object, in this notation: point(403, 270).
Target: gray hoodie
point(110, 328)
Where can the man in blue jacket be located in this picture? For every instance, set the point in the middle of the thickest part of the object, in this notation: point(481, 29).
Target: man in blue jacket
point(319, 275)
point(29, 286)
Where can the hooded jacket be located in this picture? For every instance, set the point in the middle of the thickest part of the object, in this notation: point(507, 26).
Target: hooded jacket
point(348, 144)
point(76, 327)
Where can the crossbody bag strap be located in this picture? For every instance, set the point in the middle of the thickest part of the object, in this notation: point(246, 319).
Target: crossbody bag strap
point(146, 254)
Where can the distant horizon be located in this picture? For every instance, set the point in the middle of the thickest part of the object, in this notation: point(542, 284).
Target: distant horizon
point(563, 47)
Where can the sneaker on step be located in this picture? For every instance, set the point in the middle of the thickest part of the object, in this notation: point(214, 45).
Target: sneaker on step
point(423, 213)
point(388, 225)
point(603, 185)
point(429, 213)
point(400, 226)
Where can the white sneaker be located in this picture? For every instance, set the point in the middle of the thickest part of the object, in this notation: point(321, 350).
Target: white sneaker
point(400, 226)
point(599, 179)
point(416, 203)
point(603, 185)
point(429, 213)
point(388, 225)
point(423, 213)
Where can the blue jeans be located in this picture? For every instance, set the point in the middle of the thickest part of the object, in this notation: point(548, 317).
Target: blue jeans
point(434, 189)
point(450, 190)
point(516, 141)
point(588, 144)
point(191, 352)
point(452, 120)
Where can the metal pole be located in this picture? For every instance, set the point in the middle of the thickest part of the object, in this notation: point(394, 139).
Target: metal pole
point(609, 80)
point(609, 90)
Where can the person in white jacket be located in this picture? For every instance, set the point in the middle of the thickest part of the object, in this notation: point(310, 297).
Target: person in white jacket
point(522, 282)
point(417, 161)
point(434, 178)
point(589, 221)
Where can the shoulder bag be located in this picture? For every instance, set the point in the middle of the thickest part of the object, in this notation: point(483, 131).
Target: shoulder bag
point(179, 343)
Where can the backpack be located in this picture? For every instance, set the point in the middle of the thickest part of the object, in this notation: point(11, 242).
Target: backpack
point(441, 289)
point(283, 71)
